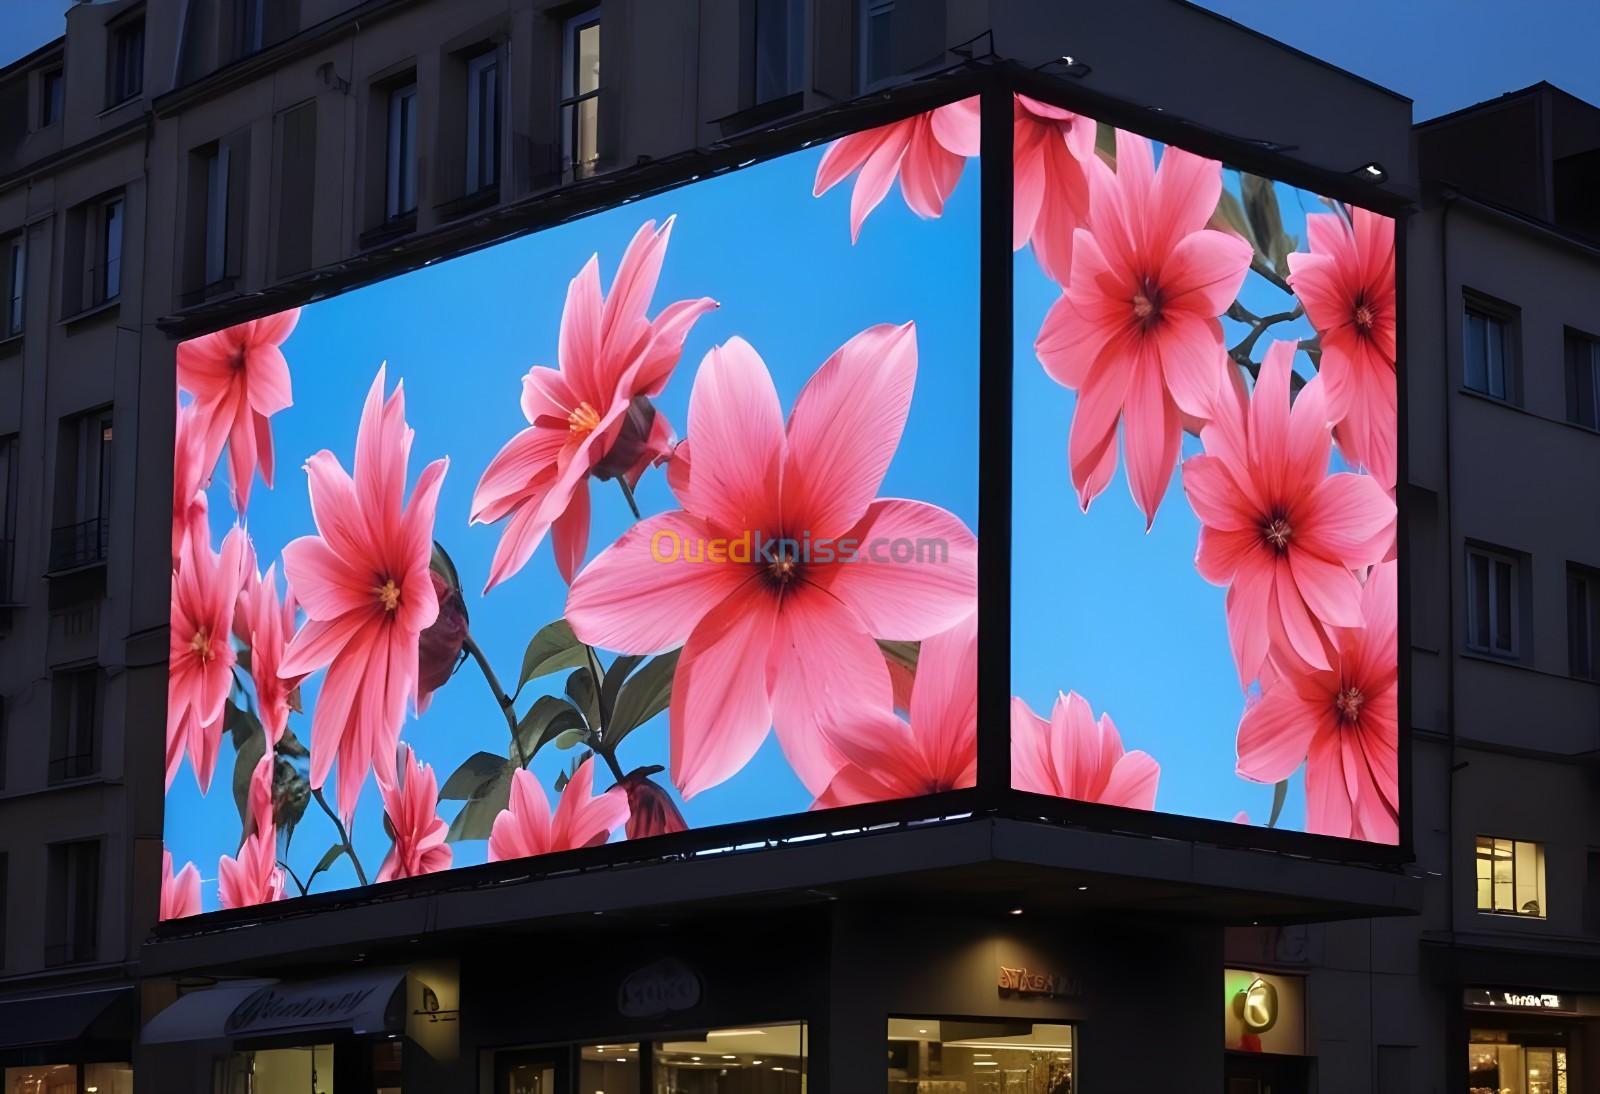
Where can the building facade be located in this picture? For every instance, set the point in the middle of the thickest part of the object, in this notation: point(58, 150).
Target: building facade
point(170, 167)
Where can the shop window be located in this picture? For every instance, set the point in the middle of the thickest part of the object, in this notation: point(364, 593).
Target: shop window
point(303, 1069)
point(1497, 1063)
point(53, 1079)
point(955, 1056)
point(108, 1079)
point(610, 1067)
point(1511, 877)
point(769, 1059)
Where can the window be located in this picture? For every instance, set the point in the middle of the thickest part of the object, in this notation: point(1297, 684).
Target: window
point(249, 25)
point(92, 254)
point(1489, 352)
point(5, 884)
point(1500, 1060)
point(876, 42)
point(927, 1054)
point(1583, 622)
point(771, 1059)
point(296, 161)
point(1493, 593)
point(1511, 877)
point(73, 905)
point(580, 103)
point(5, 744)
point(779, 30)
point(108, 279)
point(83, 491)
point(8, 532)
point(125, 63)
point(51, 93)
point(401, 174)
point(74, 723)
point(216, 228)
point(294, 1070)
point(1583, 380)
point(483, 122)
point(13, 278)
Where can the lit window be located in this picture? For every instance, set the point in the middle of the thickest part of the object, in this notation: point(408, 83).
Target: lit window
point(969, 1054)
point(1511, 877)
point(1489, 353)
point(771, 1059)
point(1493, 595)
point(580, 103)
point(402, 170)
point(483, 122)
point(1496, 1061)
point(1583, 380)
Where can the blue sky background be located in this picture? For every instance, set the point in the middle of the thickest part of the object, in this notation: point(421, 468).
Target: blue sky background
point(462, 334)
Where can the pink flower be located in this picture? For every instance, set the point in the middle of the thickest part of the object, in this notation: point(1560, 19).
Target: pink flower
point(926, 151)
point(1136, 332)
point(364, 584)
point(526, 827)
point(266, 625)
point(885, 758)
point(609, 355)
point(200, 672)
point(1280, 532)
point(776, 628)
point(1073, 756)
point(651, 810)
point(1343, 721)
point(412, 811)
point(239, 379)
point(180, 895)
point(191, 474)
point(1050, 154)
point(255, 876)
point(1347, 284)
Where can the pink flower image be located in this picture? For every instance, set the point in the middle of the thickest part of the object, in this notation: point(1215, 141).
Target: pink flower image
point(886, 758)
point(205, 591)
point(926, 152)
point(439, 646)
point(651, 810)
point(609, 354)
point(1280, 532)
point(191, 474)
point(364, 584)
point(1342, 721)
point(582, 819)
point(180, 893)
point(254, 877)
point(755, 576)
point(265, 624)
point(411, 808)
point(1074, 756)
point(1136, 332)
point(1347, 284)
point(239, 380)
point(1050, 154)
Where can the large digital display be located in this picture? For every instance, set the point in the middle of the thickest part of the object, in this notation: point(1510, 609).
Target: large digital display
point(658, 519)
point(1204, 596)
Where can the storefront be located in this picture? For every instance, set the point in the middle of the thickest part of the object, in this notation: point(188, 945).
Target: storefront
point(1264, 1024)
point(1527, 1041)
point(70, 1043)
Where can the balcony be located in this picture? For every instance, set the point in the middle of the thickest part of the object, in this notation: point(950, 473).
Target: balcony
point(75, 546)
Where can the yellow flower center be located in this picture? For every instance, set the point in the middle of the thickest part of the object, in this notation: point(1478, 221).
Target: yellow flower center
point(1277, 532)
point(200, 644)
point(1348, 704)
point(583, 419)
point(389, 595)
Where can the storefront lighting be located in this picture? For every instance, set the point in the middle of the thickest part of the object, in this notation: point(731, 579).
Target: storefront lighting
point(736, 1033)
point(1016, 911)
point(726, 1057)
point(1083, 888)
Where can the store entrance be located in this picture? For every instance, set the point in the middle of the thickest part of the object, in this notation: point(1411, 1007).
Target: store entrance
point(533, 1071)
point(1258, 1073)
point(757, 1059)
point(1520, 1061)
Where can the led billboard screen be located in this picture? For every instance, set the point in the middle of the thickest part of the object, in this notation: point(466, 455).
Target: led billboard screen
point(658, 519)
point(1204, 594)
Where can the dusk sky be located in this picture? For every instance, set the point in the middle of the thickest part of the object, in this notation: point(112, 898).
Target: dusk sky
point(1477, 49)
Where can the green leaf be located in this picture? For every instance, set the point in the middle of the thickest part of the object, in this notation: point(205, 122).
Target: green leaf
point(1266, 223)
point(903, 654)
point(329, 857)
point(1279, 793)
point(241, 725)
point(643, 695)
point(615, 675)
point(580, 689)
point(246, 757)
point(1230, 217)
point(442, 564)
point(569, 738)
point(549, 716)
point(555, 647)
point(476, 819)
point(474, 771)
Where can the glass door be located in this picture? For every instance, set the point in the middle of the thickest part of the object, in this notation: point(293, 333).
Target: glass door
point(535, 1071)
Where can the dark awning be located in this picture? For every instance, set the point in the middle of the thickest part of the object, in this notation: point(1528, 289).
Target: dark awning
point(67, 1022)
point(366, 1002)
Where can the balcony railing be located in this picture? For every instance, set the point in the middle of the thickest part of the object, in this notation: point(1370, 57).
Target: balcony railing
point(81, 544)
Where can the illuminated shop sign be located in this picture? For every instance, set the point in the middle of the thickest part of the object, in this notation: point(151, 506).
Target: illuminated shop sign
point(1511, 999)
point(1263, 1012)
point(1026, 981)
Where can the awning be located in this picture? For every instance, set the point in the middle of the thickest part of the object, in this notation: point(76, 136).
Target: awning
point(67, 1020)
point(365, 1002)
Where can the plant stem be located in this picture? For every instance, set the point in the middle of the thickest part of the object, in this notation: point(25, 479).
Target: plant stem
point(601, 745)
point(627, 492)
point(344, 836)
point(506, 706)
point(303, 886)
point(1259, 265)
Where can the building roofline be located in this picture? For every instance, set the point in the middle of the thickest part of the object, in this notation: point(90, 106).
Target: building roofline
point(31, 59)
point(1451, 193)
point(1505, 98)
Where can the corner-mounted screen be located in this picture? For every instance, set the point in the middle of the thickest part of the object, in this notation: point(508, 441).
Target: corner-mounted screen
point(659, 519)
point(1204, 598)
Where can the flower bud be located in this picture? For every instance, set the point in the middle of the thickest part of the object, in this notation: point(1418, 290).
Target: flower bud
point(439, 647)
point(652, 811)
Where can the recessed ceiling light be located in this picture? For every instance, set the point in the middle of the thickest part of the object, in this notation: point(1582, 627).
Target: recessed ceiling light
point(1016, 911)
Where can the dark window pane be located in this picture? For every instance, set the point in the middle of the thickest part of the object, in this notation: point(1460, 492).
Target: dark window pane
point(1503, 592)
point(1478, 601)
point(1475, 353)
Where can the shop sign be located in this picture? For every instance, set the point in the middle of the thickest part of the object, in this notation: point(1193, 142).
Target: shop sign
point(279, 1007)
point(1026, 981)
point(659, 987)
point(1501, 999)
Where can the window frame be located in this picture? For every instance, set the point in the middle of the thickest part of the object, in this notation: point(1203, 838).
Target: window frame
point(1494, 557)
point(572, 99)
point(1574, 342)
point(483, 136)
point(110, 234)
point(400, 152)
point(215, 260)
point(1540, 884)
point(10, 447)
point(866, 11)
point(14, 277)
point(1507, 318)
point(1583, 621)
point(75, 744)
point(52, 95)
point(73, 948)
point(794, 51)
point(125, 60)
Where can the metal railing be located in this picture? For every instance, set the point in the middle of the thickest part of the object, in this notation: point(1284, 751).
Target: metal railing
point(81, 544)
